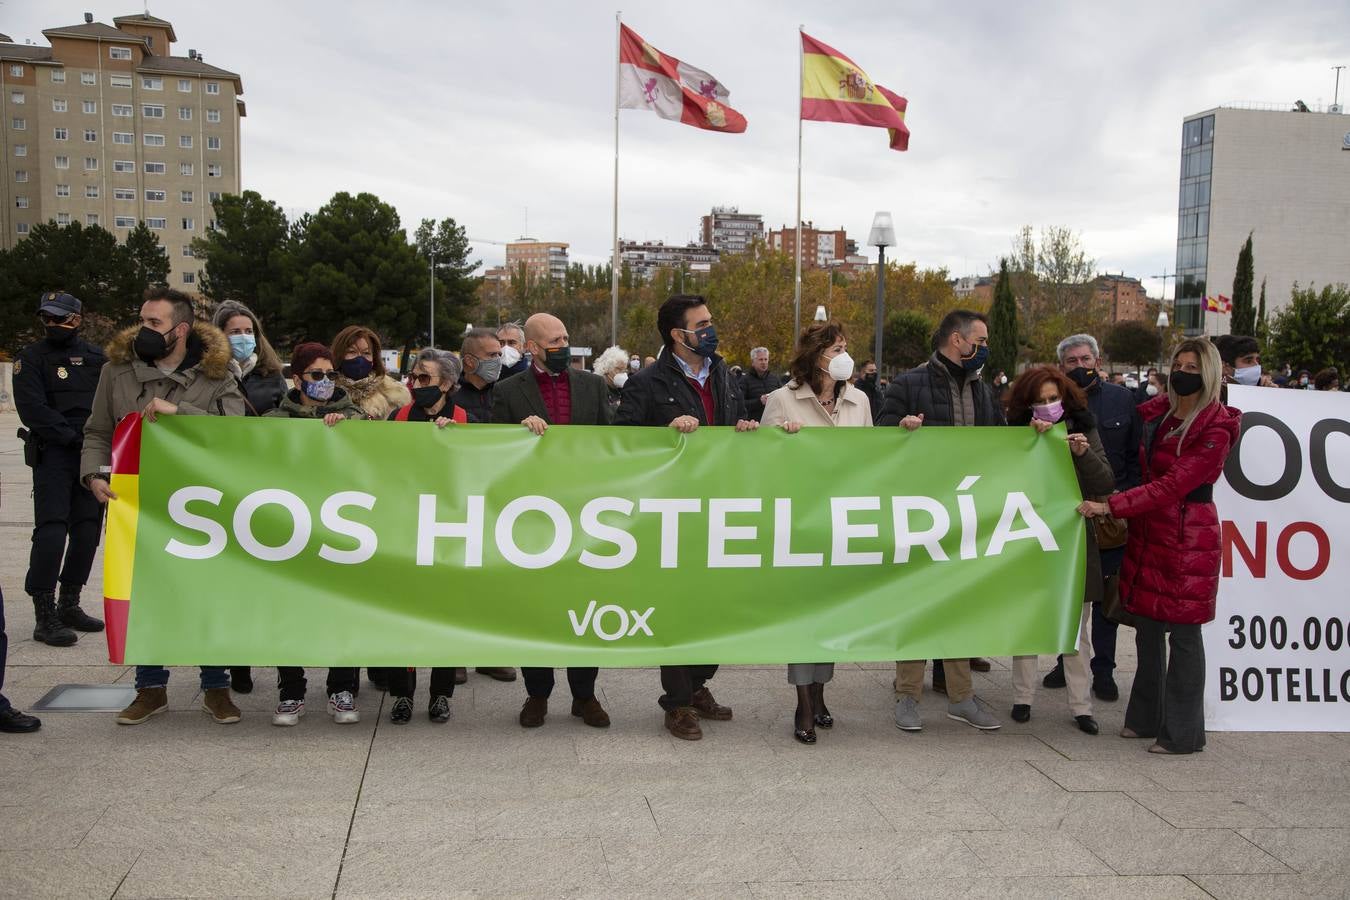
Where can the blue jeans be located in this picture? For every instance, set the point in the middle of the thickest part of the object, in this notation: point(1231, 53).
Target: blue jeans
point(158, 676)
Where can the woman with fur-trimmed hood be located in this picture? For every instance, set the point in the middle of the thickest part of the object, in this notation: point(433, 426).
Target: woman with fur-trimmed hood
point(361, 373)
point(253, 362)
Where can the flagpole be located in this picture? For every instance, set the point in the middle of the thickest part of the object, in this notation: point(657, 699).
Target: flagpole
point(614, 263)
point(797, 292)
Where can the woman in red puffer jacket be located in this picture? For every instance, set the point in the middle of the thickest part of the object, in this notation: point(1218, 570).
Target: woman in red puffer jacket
point(1170, 578)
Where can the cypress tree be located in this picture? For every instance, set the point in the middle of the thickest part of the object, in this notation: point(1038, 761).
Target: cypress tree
point(1244, 316)
point(1003, 326)
point(1262, 327)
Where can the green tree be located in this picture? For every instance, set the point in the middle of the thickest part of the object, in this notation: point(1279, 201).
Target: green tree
point(1244, 317)
point(907, 340)
point(1003, 335)
point(146, 264)
point(1262, 325)
point(447, 243)
point(353, 265)
point(244, 256)
point(1132, 342)
point(1313, 331)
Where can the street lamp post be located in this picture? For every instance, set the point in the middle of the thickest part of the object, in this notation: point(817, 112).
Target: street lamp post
point(881, 237)
point(821, 314)
point(1162, 348)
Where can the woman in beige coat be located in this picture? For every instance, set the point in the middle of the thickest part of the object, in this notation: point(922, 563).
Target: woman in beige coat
point(818, 394)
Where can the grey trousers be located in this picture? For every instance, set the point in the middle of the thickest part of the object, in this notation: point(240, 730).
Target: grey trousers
point(809, 673)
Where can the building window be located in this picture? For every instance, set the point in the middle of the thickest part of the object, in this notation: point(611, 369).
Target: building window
point(185, 141)
point(20, 175)
point(88, 78)
point(185, 113)
point(62, 162)
point(90, 136)
point(20, 149)
point(154, 168)
point(213, 196)
point(122, 110)
point(119, 81)
point(124, 137)
point(157, 224)
point(58, 76)
point(184, 168)
point(16, 71)
point(213, 87)
point(187, 250)
point(154, 140)
point(18, 124)
point(91, 191)
point(154, 196)
point(60, 134)
point(189, 278)
point(213, 170)
point(16, 97)
point(213, 115)
point(63, 218)
point(21, 202)
point(185, 85)
point(124, 193)
point(119, 53)
point(91, 218)
point(58, 105)
point(152, 83)
point(152, 112)
point(187, 224)
point(124, 221)
point(89, 107)
point(213, 143)
point(63, 190)
point(123, 165)
point(21, 227)
point(91, 163)
point(185, 196)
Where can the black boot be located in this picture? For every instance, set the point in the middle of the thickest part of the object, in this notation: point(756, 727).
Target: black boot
point(241, 679)
point(47, 627)
point(69, 612)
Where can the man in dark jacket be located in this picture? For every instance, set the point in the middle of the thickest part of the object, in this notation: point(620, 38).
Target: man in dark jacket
point(552, 392)
point(946, 390)
point(867, 383)
point(512, 338)
point(688, 386)
point(758, 383)
point(481, 356)
point(1116, 410)
point(54, 383)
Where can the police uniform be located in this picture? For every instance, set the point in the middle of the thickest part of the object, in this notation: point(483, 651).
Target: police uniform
point(54, 386)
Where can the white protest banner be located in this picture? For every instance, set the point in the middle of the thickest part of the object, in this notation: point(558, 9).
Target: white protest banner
point(1278, 650)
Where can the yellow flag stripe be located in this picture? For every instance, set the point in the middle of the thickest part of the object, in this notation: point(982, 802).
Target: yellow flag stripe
point(120, 547)
point(831, 78)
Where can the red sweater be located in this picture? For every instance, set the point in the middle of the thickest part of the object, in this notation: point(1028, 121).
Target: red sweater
point(557, 393)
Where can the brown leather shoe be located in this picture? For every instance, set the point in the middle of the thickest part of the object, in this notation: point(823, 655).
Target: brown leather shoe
point(533, 712)
point(707, 707)
point(591, 712)
point(148, 702)
point(497, 673)
point(217, 703)
point(683, 723)
point(979, 664)
point(461, 675)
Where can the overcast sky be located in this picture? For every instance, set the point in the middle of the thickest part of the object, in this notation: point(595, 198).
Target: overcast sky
point(1031, 113)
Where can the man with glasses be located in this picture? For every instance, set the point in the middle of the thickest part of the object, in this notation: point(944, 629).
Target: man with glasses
point(481, 355)
point(54, 383)
point(514, 359)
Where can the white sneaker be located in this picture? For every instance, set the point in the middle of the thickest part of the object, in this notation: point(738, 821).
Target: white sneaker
point(288, 712)
point(343, 709)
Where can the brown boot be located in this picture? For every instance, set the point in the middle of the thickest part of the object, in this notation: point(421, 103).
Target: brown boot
point(148, 702)
point(461, 675)
point(683, 723)
point(591, 712)
point(533, 712)
point(497, 673)
point(707, 707)
point(217, 702)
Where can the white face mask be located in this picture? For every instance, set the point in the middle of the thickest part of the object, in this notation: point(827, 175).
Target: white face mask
point(841, 367)
point(1151, 390)
point(510, 356)
point(620, 380)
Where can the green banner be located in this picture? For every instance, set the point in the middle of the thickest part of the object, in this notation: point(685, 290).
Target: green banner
point(277, 541)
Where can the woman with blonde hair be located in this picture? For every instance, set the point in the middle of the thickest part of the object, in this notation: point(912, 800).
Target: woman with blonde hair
point(612, 365)
point(361, 373)
point(1170, 577)
point(819, 394)
point(253, 362)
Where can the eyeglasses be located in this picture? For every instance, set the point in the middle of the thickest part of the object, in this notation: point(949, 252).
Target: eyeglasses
point(321, 374)
point(423, 379)
point(49, 319)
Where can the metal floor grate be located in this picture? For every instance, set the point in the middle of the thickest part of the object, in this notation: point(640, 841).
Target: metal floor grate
point(86, 698)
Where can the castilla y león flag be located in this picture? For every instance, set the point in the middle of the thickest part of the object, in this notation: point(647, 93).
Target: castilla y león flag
point(652, 80)
point(835, 89)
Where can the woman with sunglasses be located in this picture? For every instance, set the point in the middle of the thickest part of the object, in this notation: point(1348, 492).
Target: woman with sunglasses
point(361, 372)
point(315, 395)
point(435, 376)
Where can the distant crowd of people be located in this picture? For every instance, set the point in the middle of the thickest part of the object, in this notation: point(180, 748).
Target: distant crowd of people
point(1146, 455)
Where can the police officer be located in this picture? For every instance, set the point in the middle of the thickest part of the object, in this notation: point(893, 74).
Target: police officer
point(54, 382)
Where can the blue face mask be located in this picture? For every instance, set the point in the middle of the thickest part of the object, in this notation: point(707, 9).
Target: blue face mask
point(321, 391)
point(242, 346)
point(707, 341)
point(1250, 375)
point(977, 358)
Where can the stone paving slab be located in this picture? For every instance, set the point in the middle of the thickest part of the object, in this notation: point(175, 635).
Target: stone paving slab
point(478, 807)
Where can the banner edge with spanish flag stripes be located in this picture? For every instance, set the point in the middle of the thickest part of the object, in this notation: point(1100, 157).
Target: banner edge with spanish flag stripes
point(873, 105)
point(706, 108)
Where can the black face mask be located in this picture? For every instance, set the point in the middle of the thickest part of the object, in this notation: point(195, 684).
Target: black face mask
point(151, 345)
point(1083, 377)
point(870, 376)
point(557, 359)
point(60, 335)
point(356, 368)
point(1186, 383)
point(427, 397)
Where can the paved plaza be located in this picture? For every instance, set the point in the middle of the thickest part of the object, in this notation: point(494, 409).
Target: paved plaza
point(182, 807)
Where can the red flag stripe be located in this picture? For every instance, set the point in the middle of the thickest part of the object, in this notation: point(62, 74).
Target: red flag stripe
point(811, 45)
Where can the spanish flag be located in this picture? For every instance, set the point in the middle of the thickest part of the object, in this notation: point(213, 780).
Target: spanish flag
point(835, 89)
